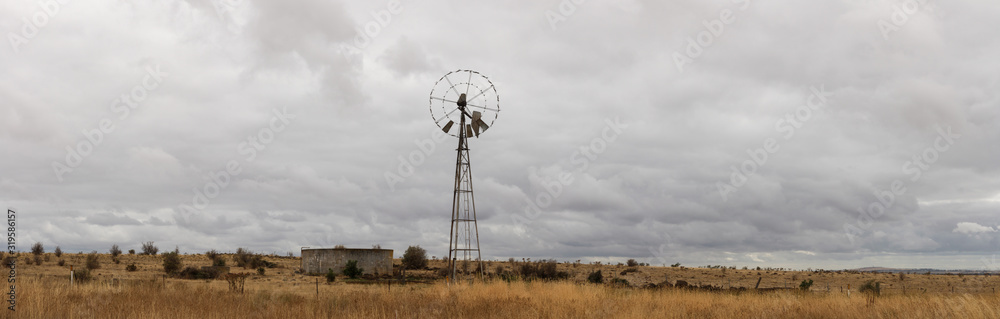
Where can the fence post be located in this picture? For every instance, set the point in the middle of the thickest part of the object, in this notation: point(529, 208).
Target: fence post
point(71, 275)
point(317, 288)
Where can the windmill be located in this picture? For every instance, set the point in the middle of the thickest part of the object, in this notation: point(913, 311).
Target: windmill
point(473, 106)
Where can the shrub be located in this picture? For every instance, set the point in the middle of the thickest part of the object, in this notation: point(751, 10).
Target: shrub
point(37, 249)
point(260, 271)
point(415, 258)
point(149, 249)
point(619, 282)
point(131, 267)
point(806, 284)
point(58, 252)
point(130, 251)
point(115, 251)
point(679, 264)
point(171, 262)
point(82, 275)
point(596, 277)
point(351, 270)
point(330, 276)
point(196, 273)
point(628, 270)
point(92, 262)
point(116, 260)
point(62, 262)
point(632, 263)
point(219, 262)
point(27, 260)
point(212, 254)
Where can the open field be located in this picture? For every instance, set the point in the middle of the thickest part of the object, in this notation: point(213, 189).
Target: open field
point(44, 292)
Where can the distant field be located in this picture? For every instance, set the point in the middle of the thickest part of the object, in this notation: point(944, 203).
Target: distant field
point(44, 292)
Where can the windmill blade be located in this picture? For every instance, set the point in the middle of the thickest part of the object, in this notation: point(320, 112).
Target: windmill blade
point(482, 125)
point(476, 119)
point(447, 127)
point(468, 129)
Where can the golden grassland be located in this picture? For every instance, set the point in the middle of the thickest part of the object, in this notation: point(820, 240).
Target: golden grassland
point(43, 291)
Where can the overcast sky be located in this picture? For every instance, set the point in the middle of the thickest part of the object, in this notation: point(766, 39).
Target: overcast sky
point(823, 134)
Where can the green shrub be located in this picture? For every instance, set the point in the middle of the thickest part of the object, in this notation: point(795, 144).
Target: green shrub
point(806, 284)
point(171, 262)
point(58, 252)
point(330, 276)
point(632, 263)
point(37, 249)
point(351, 270)
point(260, 271)
point(596, 277)
point(415, 258)
point(115, 251)
point(131, 267)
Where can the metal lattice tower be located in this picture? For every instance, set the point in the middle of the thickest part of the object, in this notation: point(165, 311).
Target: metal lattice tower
point(478, 103)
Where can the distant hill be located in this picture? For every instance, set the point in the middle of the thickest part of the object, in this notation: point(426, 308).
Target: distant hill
point(928, 270)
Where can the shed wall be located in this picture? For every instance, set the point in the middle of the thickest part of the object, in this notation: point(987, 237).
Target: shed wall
point(372, 261)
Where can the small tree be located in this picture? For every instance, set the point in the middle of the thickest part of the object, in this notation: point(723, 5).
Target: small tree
point(415, 258)
point(130, 251)
point(37, 249)
point(149, 249)
point(115, 251)
point(596, 277)
point(330, 276)
point(806, 284)
point(351, 270)
point(171, 262)
point(632, 263)
point(92, 261)
point(212, 254)
point(871, 289)
point(58, 252)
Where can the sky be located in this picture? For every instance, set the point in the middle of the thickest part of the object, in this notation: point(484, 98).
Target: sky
point(802, 134)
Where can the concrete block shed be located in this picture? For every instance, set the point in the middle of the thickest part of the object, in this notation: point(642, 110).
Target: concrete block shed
point(372, 261)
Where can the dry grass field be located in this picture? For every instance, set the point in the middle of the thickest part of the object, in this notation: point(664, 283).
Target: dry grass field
point(43, 291)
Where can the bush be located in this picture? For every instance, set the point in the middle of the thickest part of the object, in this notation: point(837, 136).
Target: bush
point(415, 258)
point(62, 262)
point(260, 271)
point(596, 277)
point(92, 262)
point(619, 282)
point(82, 275)
point(37, 249)
point(330, 276)
point(871, 287)
point(196, 273)
point(38, 259)
point(806, 284)
point(631, 263)
point(249, 260)
point(351, 270)
point(58, 252)
point(171, 262)
point(212, 254)
point(679, 264)
point(130, 251)
point(115, 251)
point(219, 262)
point(131, 267)
point(149, 249)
